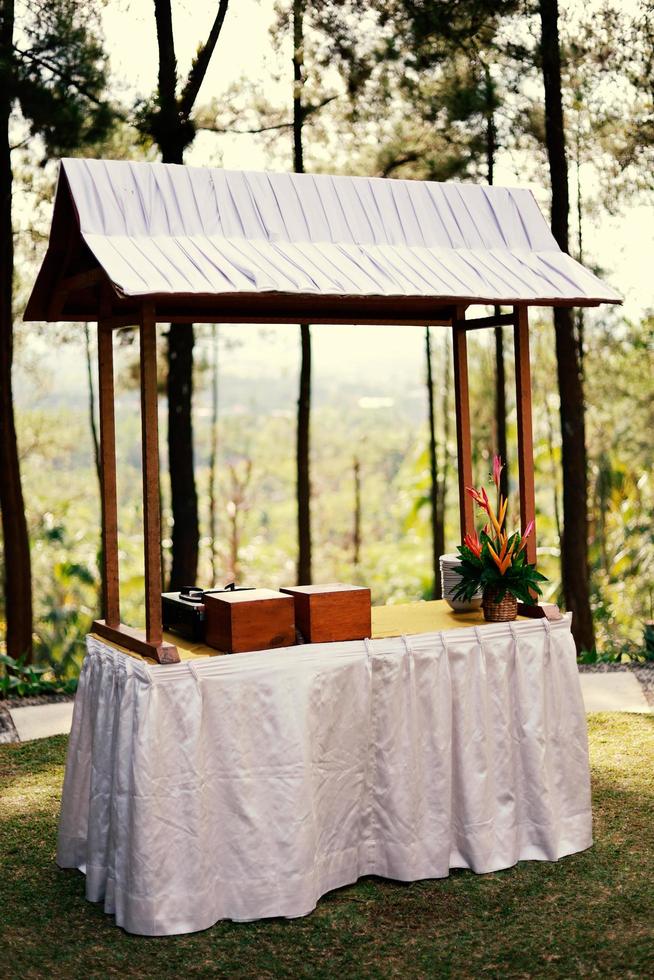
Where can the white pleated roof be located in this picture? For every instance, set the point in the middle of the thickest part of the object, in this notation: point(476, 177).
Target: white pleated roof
point(165, 229)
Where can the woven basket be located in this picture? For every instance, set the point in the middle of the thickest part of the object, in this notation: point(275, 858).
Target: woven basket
point(499, 612)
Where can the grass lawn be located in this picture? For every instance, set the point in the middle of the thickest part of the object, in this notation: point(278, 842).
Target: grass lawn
point(591, 914)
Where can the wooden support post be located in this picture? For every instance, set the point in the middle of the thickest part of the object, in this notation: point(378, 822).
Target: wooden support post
point(525, 438)
point(526, 451)
point(110, 580)
point(110, 628)
point(462, 403)
point(150, 449)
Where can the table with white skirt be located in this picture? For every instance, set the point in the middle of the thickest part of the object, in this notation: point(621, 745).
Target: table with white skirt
point(248, 786)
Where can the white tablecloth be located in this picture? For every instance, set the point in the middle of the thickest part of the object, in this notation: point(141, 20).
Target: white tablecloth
point(248, 786)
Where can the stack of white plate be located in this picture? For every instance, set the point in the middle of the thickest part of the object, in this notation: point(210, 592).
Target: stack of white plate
point(450, 582)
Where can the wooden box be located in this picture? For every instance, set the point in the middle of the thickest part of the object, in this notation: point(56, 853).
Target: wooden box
point(329, 613)
point(255, 619)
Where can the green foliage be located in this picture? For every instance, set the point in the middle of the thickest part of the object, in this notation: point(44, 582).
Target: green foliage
point(625, 652)
point(481, 572)
point(648, 641)
point(424, 112)
point(419, 75)
point(21, 679)
point(58, 76)
point(621, 458)
point(257, 419)
point(66, 602)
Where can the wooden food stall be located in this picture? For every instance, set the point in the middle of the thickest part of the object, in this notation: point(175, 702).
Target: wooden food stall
point(248, 786)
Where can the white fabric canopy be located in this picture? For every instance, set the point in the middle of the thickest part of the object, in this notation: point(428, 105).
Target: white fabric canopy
point(166, 229)
point(248, 786)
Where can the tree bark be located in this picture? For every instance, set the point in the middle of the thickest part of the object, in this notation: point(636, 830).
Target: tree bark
point(172, 138)
point(17, 566)
point(356, 536)
point(304, 570)
point(574, 546)
point(298, 81)
point(183, 493)
point(500, 408)
point(500, 374)
point(95, 441)
point(445, 468)
point(213, 457)
point(436, 529)
point(92, 423)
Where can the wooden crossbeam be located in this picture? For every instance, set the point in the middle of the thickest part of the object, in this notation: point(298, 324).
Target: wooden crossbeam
point(462, 407)
point(68, 285)
point(481, 322)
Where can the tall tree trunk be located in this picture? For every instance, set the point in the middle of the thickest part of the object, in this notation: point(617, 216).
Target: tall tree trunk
point(500, 374)
point(500, 408)
point(181, 464)
point(17, 568)
point(213, 457)
point(173, 133)
point(554, 471)
point(574, 565)
point(356, 536)
point(304, 570)
point(436, 534)
point(491, 129)
point(445, 468)
point(183, 494)
point(298, 81)
point(303, 470)
point(94, 430)
point(581, 317)
point(171, 127)
point(92, 423)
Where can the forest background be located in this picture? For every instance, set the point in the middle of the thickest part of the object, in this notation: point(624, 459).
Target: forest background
point(388, 89)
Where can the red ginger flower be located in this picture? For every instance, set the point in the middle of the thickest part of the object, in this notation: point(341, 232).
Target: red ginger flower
point(525, 534)
point(472, 541)
point(480, 497)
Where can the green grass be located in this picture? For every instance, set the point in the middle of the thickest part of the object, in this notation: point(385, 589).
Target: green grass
point(591, 914)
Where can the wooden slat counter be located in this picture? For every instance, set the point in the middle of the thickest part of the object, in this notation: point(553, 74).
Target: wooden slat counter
point(409, 619)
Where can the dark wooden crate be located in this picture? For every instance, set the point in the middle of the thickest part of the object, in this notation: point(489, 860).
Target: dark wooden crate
point(258, 619)
point(333, 612)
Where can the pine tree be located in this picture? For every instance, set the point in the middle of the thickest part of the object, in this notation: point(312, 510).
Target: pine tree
point(575, 572)
point(167, 120)
point(53, 76)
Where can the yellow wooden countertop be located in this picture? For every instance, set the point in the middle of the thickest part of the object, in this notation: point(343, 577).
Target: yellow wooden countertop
point(406, 619)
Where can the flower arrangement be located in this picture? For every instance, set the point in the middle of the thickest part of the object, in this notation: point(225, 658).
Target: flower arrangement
point(495, 561)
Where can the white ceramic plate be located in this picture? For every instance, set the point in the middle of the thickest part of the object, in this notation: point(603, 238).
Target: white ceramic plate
point(458, 606)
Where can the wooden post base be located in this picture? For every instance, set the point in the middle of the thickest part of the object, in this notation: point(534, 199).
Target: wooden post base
point(134, 640)
point(542, 610)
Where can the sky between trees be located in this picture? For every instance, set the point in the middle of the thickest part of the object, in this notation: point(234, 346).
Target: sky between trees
point(621, 244)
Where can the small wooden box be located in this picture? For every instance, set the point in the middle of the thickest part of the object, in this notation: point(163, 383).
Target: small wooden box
point(255, 619)
point(330, 613)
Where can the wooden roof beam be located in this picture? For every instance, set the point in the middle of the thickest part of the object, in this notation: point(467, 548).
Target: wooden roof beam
point(71, 284)
point(480, 323)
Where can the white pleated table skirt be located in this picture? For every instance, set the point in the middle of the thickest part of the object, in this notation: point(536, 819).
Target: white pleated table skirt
point(248, 786)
